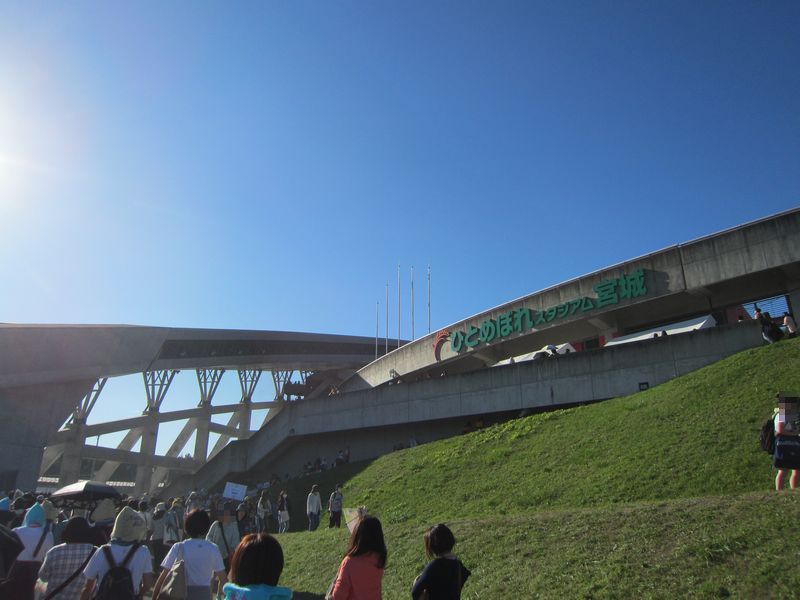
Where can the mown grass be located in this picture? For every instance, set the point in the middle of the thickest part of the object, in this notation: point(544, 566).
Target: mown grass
point(660, 494)
point(720, 546)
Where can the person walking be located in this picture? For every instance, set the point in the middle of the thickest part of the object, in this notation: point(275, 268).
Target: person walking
point(444, 576)
point(157, 526)
point(37, 541)
point(263, 510)
point(787, 441)
point(202, 560)
point(124, 549)
point(313, 507)
point(360, 574)
point(283, 512)
point(61, 573)
point(172, 524)
point(225, 533)
point(335, 507)
point(243, 520)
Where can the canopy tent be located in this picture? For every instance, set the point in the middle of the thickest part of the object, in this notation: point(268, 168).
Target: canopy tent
point(672, 329)
point(545, 352)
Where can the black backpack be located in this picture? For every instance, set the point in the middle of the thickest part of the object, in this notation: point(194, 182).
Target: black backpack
point(117, 583)
point(767, 437)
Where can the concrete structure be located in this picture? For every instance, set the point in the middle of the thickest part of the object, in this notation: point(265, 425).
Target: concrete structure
point(64, 368)
point(49, 372)
point(372, 421)
point(701, 277)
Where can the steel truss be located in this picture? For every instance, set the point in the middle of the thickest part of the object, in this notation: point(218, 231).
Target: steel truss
point(69, 443)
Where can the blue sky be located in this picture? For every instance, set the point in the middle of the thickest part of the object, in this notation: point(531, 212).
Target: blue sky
point(267, 165)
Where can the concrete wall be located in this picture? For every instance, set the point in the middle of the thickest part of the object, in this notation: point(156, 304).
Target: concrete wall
point(28, 416)
point(364, 444)
point(574, 378)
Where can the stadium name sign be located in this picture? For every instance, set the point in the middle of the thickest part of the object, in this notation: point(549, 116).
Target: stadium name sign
point(608, 293)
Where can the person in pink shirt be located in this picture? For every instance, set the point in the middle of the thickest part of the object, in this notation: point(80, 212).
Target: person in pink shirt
point(361, 571)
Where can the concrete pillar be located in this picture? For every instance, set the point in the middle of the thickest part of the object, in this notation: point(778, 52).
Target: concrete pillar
point(70, 470)
point(245, 415)
point(794, 303)
point(201, 438)
point(144, 471)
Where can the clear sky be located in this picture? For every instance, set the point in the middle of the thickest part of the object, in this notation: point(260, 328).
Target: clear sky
point(266, 165)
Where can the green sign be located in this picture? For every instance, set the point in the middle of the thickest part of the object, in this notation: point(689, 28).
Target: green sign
point(608, 293)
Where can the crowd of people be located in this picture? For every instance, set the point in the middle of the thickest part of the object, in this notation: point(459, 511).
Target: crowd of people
point(205, 548)
point(774, 330)
point(320, 464)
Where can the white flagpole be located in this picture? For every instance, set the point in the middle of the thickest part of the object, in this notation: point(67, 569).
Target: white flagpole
point(377, 321)
point(398, 305)
point(412, 303)
point(386, 349)
point(429, 298)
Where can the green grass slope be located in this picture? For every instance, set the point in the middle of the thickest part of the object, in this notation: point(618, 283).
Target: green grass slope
point(694, 436)
point(737, 546)
point(661, 494)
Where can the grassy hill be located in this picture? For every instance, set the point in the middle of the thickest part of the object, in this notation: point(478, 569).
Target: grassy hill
point(663, 493)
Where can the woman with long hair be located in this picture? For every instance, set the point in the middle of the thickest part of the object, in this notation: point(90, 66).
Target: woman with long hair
point(256, 566)
point(444, 576)
point(361, 572)
point(283, 512)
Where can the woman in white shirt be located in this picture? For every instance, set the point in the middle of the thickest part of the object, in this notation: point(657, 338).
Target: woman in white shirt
point(201, 559)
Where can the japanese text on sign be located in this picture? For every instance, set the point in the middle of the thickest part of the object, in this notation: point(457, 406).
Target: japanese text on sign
point(608, 293)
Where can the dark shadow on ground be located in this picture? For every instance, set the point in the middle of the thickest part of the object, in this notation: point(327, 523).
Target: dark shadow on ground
point(307, 596)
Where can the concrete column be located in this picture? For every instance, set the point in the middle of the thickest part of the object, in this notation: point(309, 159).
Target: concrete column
point(794, 303)
point(245, 414)
point(144, 471)
point(201, 438)
point(70, 470)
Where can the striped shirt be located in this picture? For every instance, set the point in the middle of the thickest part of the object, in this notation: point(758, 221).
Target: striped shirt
point(60, 563)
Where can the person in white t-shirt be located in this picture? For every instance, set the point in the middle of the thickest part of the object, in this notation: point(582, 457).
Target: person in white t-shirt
point(129, 531)
point(789, 323)
point(201, 559)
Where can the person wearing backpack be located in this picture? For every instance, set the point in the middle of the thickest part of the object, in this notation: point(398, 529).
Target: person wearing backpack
point(202, 561)
point(123, 568)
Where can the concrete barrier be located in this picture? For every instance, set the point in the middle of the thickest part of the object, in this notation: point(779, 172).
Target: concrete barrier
point(544, 384)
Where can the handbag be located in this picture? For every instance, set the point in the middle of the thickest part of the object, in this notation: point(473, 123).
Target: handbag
point(175, 586)
point(329, 593)
point(424, 595)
